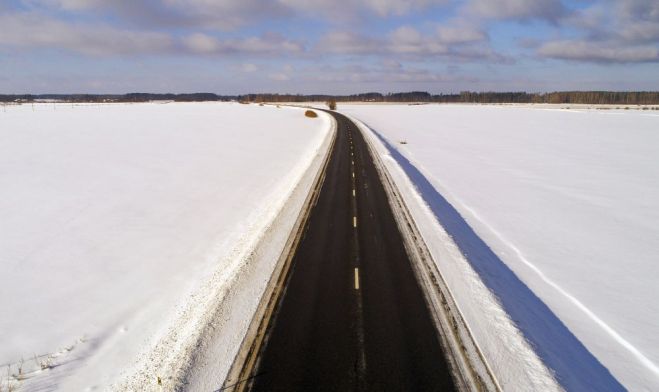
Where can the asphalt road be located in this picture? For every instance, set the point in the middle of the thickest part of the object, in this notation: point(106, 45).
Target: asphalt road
point(353, 316)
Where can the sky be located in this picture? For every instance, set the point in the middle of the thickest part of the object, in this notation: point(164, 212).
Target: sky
point(327, 46)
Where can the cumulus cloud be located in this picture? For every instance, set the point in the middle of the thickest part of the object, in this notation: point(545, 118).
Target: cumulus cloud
point(641, 32)
point(352, 8)
point(643, 10)
point(230, 14)
point(32, 30)
point(389, 73)
point(68, 4)
point(404, 40)
point(200, 25)
point(25, 30)
point(631, 20)
point(517, 9)
point(408, 41)
point(460, 34)
point(345, 42)
point(598, 52)
point(450, 42)
point(624, 31)
point(202, 43)
point(595, 20)
point(615, 31)
point(270, 43)
point(638, 20)
point(279, 76)
point(221, 15)
point(225, 14)
point(249, 68)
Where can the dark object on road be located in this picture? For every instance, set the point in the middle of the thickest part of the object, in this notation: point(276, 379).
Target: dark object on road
point(310, 113)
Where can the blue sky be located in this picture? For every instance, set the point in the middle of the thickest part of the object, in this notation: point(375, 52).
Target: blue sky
point(323, 46)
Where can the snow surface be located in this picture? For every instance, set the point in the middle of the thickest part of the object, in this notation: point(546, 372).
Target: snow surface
point(557, 213)
point(509, 357)
point(115, 220)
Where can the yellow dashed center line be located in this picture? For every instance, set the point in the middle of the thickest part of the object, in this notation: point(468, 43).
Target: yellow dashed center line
point(356, 278)
point(354, 221)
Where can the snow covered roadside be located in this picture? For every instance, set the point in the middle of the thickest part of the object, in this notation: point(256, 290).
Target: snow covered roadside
point(227, 329)
point(126, 224)
point(558, 198)
point(509, 357)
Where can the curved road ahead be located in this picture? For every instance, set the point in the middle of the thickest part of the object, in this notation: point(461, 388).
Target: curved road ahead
point(353, 316)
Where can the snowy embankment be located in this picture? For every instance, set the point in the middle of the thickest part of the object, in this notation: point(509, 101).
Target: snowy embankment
point(122, 228)
point(545, 224)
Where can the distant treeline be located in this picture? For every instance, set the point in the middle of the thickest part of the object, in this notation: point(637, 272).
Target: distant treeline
point(132, 97)
point(561, 97)
point(564, 97)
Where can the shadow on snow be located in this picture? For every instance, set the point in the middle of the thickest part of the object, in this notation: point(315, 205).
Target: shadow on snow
point(573, 365)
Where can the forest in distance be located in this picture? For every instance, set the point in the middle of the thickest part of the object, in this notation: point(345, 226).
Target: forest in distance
point(560, 97)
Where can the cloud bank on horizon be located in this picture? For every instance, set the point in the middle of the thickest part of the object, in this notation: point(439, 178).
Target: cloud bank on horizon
point(339, 46)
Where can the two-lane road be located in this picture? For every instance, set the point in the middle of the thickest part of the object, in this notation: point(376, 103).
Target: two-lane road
point(353, 316)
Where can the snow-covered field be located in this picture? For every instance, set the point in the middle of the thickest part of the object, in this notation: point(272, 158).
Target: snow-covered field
point(557, 213)
point(118, 222)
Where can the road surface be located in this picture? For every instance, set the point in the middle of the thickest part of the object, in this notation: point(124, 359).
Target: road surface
point(353, 316)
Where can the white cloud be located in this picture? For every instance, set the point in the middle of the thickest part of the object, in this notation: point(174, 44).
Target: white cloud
point(404, 40)
point(224, 14)
point(221, 15)
point(32, 30)
point(641, 32)
point(400, 7)
point(231, 14)
point(71, 5)
point(249, 68)
point(453, 42)
point(638, 20)
point(25, 30)
point(644, 10)
point(517, 9)
point(270, 43)
point(344, 42)
point(373, 74)
point(201, 43)
point(611, 30)
point(279, 76)
point(598, 52)
point(407, 40)
point(352, 8)
point(623, 31)
point(459, 34)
